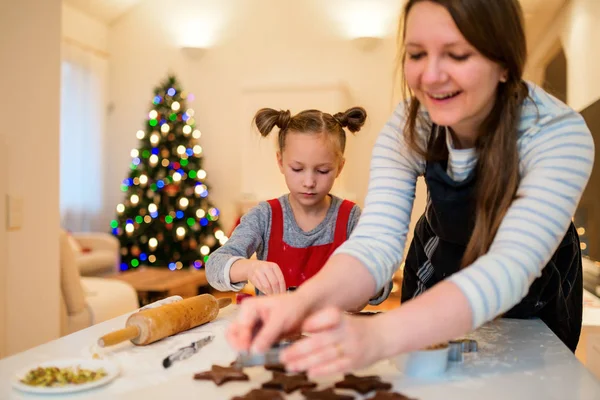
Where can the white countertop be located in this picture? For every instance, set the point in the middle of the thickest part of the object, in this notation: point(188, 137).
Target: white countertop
point(516, 360)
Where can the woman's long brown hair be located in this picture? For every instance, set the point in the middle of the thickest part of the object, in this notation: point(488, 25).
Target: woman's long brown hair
point(495, 29)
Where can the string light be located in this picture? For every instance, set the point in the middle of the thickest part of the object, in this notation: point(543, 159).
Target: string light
point(200, 213)
point(187, 130)
point(197, 149)
point(180, 232)
point(190, 112)
point(140, 135)
point(153, 243)
point(143, 179)
point(134, 153)
point(204, 250)
point(199, 189)
point(153, 159)
point(178, 265)
point(152, 258)
point(152, 114)
point(147, 219)
point(152, 208)
point(201, 174)
point(223, 240)
point(134, 199)
point(175, 106)
point(183, 203)
point(180, 149)
point(154, 139)
point(196, 134)
point(164, 128)
point(129, 228)
point(176, 177)
point(120, 208)
point(164, 162)
point(581, 230)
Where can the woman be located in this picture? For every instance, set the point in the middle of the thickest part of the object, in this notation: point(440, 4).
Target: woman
point(505, 166)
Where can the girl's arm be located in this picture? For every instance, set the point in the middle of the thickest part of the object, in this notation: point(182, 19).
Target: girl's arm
point(223, 270)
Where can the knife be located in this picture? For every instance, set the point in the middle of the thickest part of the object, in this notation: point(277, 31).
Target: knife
point(187, 351)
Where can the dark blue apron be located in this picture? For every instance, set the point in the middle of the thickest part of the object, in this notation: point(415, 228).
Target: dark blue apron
point(440, 240)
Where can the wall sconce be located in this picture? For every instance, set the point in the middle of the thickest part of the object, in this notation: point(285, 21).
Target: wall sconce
point(367, 43)
point(194, 53)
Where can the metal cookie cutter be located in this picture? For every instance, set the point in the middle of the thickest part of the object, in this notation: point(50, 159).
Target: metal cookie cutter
point(459, 347)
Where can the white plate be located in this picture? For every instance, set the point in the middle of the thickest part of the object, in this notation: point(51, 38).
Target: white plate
point(111, 369)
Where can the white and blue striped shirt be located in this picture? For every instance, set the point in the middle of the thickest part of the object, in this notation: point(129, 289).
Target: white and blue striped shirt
point(556, 154)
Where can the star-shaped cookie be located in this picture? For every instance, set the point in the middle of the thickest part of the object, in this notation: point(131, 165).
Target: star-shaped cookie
point(289, 383)
point(219, 375)
point(379, 395)
point(260, 394)
point(327, 394)
point(362, 384)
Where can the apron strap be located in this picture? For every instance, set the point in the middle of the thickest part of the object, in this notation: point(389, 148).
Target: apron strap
point(341, 225)
point(276, 237)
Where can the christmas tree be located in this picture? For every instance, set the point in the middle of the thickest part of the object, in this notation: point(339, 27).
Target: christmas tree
point(166, 219)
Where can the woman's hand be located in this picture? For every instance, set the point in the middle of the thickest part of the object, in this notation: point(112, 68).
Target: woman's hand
point(338, 343)
point(263, 320)
point(266, 276)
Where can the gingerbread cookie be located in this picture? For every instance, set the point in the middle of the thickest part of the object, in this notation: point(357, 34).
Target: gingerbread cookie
point(275, 367)
point(219, 375)
point(327, 394)
point(362, 384)
point(289, 383)
point(260, 394)
point(379, 395)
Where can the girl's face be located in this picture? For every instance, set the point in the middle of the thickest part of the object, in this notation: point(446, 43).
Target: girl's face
point(450, 78)
point(310, 163)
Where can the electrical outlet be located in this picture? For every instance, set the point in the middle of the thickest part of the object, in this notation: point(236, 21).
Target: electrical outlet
point(14, 218)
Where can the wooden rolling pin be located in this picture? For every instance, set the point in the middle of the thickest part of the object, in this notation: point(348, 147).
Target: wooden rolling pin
point(148, 326)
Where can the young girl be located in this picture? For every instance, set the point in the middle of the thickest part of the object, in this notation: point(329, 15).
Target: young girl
point(295, 234)
point(505, 166)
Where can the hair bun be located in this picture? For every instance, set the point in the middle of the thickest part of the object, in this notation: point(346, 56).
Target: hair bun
point(353, 118)
point(283, 119)
point(267, 118)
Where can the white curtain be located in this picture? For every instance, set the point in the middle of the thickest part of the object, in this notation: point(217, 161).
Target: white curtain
point(83, 94)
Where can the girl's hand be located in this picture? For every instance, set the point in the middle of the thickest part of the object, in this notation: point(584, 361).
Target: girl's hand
point(338, 343)
point(267, 277)
point(263, 320)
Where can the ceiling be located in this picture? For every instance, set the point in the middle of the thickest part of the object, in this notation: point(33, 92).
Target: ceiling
point(107, 11)
point(538, 13)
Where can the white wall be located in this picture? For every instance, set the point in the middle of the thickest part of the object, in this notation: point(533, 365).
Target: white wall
point(83, 29)
point(577, 29)
point(30, 79)
point(3, 252)
point(259, 43)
